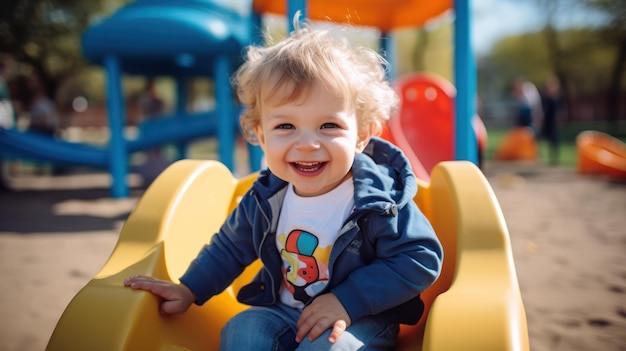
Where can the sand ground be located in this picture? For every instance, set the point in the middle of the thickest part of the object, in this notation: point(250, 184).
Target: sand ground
point(568, 235)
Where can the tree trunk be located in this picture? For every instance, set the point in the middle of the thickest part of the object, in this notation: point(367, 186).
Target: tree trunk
point(554, 53)
point(614, 90)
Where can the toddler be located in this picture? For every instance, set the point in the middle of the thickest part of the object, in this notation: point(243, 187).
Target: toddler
point(345, 250)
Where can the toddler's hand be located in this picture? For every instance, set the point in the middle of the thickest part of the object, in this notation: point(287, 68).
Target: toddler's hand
point(176, 297)
point(324, 312)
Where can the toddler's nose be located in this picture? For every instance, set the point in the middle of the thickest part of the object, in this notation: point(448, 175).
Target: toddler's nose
point(308, 140)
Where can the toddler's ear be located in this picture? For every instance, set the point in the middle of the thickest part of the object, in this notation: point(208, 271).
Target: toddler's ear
point(259, 136)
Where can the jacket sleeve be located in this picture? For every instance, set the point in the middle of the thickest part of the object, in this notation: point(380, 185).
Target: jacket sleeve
point(230, 251)
point(408, 258)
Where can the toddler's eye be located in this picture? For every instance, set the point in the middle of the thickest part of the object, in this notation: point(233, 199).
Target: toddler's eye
point(329, 125)
point(285, 126)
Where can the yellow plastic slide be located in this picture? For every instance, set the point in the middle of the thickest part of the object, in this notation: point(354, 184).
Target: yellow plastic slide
point(474, 305)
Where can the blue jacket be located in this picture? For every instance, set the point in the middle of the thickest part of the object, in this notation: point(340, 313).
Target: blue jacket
point(386, 254)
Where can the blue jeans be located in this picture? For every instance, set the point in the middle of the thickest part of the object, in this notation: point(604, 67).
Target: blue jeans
point(274, 328)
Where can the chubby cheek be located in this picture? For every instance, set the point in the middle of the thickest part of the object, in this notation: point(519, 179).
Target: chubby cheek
point(348, 146)
point(275, 153)
point(276, 147)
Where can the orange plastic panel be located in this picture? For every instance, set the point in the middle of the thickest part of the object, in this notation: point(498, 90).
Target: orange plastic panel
point(519, 144)
point(382, 14)
point(600, 153)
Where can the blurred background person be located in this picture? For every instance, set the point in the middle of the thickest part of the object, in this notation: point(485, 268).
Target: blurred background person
point(42, 110)
point(7, 119)
point(152, 106)
point(552, 101)
point(529, 109)
point(7, 115)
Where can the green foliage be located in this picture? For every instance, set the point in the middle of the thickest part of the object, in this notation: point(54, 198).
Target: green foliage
point(512, 57)
point(585, 58)
point(589, 61)
point(43, 37)
point(426, 49)
point(615, 9)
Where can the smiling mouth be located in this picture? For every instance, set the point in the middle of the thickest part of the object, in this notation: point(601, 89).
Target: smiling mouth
point(308, 166)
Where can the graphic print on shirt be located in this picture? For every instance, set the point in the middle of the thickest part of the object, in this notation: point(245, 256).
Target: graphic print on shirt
point(305, 266)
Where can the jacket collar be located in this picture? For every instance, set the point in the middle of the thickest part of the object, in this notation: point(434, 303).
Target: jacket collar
point(382, 178)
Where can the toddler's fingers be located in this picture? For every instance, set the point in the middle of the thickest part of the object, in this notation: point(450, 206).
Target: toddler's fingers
point(140, 281)
point(132, 279)
point(338, 328)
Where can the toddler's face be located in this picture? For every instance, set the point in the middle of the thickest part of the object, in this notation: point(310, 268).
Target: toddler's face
point(311, 142)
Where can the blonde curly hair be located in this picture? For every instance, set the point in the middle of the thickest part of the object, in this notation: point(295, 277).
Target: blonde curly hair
point(283, 72)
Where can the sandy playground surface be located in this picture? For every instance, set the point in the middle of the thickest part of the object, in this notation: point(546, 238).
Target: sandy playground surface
point(568, 234)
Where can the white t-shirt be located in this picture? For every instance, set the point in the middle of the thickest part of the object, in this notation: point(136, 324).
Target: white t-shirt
point(307, 229)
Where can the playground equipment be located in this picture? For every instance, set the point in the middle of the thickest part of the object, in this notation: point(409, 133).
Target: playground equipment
point(601, 154)
point(474, 305)
point(373, 13)
point(182, 39)
point(519, 144)
point(177, 38)
point(423, 127)
point(190, 38)
point(40, 147)
point(388, 15)
point(36, 146)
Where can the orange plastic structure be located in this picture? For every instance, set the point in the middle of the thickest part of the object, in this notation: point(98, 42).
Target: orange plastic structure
point(474, 305)
point(519, 144)
point(423, 127)
point(600, 153)
point(382, 14)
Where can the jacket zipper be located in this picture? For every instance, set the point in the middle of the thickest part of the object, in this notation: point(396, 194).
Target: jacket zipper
point(262, 243)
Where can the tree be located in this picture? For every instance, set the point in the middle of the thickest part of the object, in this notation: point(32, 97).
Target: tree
point(614, 32)
point(43, 36)
point(588, 59)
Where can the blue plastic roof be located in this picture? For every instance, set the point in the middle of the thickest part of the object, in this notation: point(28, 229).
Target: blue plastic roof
point(168, 36)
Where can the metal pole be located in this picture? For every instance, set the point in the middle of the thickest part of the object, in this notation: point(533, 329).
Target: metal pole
point(118, 155)
point(465, 80)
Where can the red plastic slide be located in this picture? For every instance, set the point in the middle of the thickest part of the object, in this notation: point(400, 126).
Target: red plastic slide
point(424, 125)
